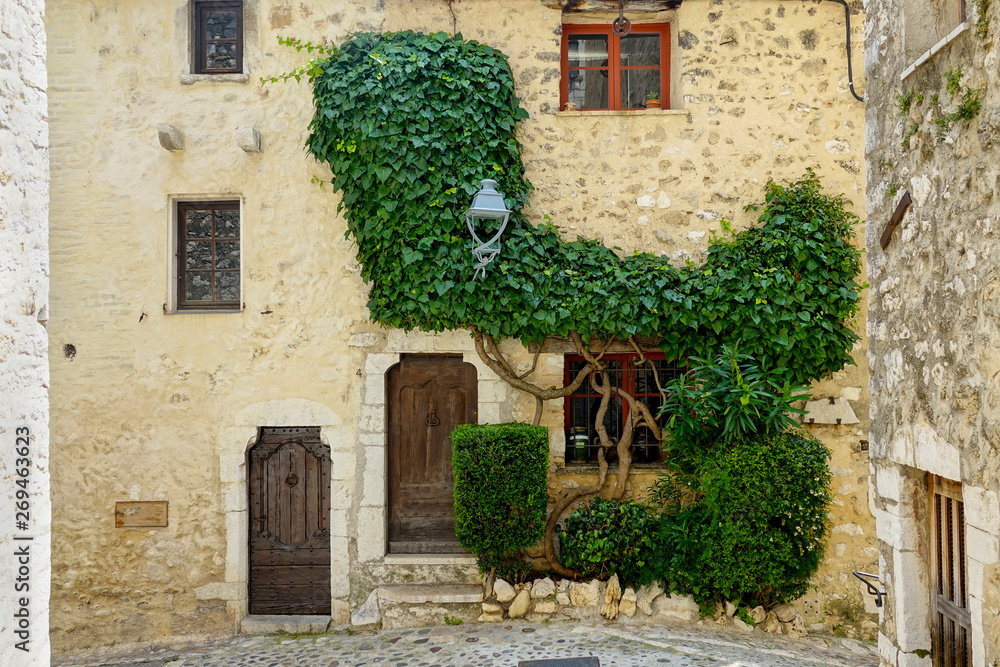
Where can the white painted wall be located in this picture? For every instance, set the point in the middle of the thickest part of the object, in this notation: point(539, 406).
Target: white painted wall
point(24, 370)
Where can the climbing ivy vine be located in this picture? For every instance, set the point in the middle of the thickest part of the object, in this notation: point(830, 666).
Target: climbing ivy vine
point(409, 123)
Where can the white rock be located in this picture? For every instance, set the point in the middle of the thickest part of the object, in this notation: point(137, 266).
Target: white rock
point(645, 597)
point(491, 618)
point(584, 595)
point(491, 608)
point(627, 604)
point(368, 613)
point(785, 613)
point(730, 609)
point(758, 614)
point(545, 607)
point(681, 607)
point(503, 591)
point(646, 201)
point(543, 588)
point(741, 626)
point(612, 594)
point(563, 599)
point(519, 607)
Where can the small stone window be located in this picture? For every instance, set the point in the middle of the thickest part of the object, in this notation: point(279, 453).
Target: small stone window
point(580, 408)
point(601, 70)
point(218, 37)
point(208, 255)
point(928, 22)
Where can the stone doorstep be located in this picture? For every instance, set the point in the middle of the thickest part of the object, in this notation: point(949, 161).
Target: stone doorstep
point(257, 625)
point(421, 593)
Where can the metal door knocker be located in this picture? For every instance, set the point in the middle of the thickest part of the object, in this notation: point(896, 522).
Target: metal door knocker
point(291, 480)
point(432, 419)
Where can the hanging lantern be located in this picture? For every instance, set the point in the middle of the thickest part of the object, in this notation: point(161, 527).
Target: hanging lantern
point(487, 204)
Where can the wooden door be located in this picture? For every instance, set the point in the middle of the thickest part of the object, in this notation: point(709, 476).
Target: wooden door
point(951, 638)
point(289, 480)
point(428, 396)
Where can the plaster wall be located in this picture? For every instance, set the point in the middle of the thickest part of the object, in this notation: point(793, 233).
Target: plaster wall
point(934, 323)
point(24, 369)
point(157, 405)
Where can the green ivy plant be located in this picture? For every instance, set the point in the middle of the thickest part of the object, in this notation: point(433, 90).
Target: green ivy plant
point(409, 123)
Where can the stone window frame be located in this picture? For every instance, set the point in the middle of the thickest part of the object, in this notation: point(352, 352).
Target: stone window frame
point(175, 272)
point(663, 28)
point(184, 22)
point(199, 38)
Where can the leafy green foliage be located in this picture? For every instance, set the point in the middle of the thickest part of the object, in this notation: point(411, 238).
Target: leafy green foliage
point(409, 123)
point(983, 21)
point(607, 537)
point(501, 492)
point(716, 402)
point(904, 101)
point(757, 534)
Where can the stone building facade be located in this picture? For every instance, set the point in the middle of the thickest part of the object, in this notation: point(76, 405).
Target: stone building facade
point(161, 404)
point(24, 369)
point(934, 326)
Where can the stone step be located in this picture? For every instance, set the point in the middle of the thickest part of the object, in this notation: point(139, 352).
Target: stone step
point(438, 593)
point(273, 624)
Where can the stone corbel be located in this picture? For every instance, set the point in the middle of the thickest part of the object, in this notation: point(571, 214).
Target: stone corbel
point(248, 139)
point(170, 137)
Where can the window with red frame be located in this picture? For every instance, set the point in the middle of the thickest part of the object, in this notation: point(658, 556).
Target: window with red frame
point(601, 70)
point(581, 406)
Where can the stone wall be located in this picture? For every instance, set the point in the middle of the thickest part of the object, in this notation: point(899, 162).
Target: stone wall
point(934, 322)
point(160, 405)
point(24, 370)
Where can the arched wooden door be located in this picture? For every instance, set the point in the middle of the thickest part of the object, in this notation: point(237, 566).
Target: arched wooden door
point(428, 396)
point(289, 482)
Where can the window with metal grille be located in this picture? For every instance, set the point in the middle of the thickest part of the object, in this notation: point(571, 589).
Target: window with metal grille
point(601, 70)
point(218, 37)
point(208, 255)
point(581, 407)
point(952, 623)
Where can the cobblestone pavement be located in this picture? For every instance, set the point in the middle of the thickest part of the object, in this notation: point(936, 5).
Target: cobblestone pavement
point(494, 646)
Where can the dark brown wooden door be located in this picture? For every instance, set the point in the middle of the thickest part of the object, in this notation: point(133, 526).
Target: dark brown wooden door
point(290, 523)
point(428, 396)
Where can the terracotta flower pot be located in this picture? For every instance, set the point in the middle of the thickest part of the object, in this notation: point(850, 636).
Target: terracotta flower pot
point(652, 104)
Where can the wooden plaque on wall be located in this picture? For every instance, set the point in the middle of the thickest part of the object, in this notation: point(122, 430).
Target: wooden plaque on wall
point(141, 514)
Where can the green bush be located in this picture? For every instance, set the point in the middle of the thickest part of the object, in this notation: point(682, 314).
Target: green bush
point(758, 532)
point(608, 537)
point(501, 492)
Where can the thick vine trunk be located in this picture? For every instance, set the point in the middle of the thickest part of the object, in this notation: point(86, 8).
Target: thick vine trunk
point(639, 415)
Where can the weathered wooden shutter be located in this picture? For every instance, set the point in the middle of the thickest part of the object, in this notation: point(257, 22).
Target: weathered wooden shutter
point(952, 631)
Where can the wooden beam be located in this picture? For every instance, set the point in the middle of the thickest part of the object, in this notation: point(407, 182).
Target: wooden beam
point(631, 6)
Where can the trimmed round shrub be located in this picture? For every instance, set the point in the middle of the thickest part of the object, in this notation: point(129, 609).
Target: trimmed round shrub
point(501, 492)
point(758, 533)
point(607, 537)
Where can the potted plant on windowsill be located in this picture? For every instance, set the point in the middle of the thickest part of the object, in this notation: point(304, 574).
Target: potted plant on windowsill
point(653, 100)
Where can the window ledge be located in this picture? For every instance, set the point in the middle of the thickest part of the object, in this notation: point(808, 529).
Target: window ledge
point(927, 55)
point(592, 469)
point(622, 112)
point(195, 311)
point(189, 79)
